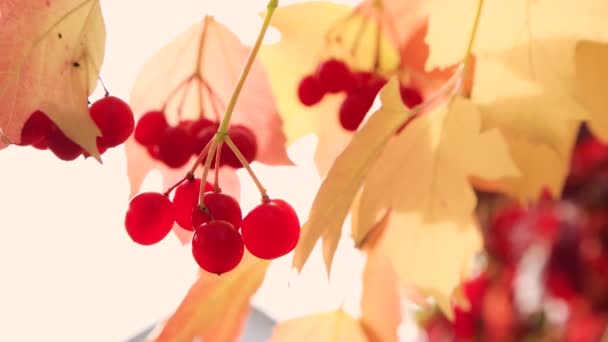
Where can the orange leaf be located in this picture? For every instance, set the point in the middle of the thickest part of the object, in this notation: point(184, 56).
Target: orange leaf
point(216, 307)
point(50, 60)
point(380, 304)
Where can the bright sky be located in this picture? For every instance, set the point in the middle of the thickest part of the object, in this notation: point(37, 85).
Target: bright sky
point(68, 270)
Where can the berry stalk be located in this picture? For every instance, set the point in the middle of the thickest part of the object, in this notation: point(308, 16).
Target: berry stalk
point(272, 5)
point(466, 61)
point(213, 143)
point(247, 167)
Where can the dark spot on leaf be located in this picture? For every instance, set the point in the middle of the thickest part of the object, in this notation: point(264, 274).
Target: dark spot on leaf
point(59, 35)
point(76, 64)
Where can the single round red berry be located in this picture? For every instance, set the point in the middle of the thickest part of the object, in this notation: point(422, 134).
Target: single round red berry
point(175, 148)
point(410, 96)
point(185, 198)
point(150, 128)
point(353, 109)
point(335, 76)
point(217, 247)
point(114, 118)
point(310, 90)
point(149, 218)
point(36, 128)
point(202, 137)
point(271, 229)
point(218, 206)
point(244, 139)
point(62, 146)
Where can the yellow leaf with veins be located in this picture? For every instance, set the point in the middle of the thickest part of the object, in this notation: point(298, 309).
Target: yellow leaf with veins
point(423, 177)
point(525, 73)
point(50, 61)
point(333, 201)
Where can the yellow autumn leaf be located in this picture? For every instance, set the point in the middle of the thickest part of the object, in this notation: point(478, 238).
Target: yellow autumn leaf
point(592, 82)
point(423, 177)
point(524, 80)
point(336, 326)
point(426, 169)
point(432, 256)
point(216, 307)
point(50, 61)
point(301, 49)
point(333, 201)
point(381, 301)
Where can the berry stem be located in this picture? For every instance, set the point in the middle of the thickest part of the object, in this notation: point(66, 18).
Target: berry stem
point(247, 167)
point(213, 144)
point(218, 155)
point(200, 157)
point(466, 61)
point(106, 93)
point(272, 5)
point(200, 59)
point(188, 177)
point(175, 90)
point(215, 101)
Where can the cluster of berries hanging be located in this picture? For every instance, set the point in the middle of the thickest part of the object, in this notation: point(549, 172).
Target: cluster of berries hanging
point(175, 145)
point(112, 115)
point(360, 85)
point(547, 271)
point(221, 233)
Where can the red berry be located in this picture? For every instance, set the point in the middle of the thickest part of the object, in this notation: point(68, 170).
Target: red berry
point(271, 229)
point(369, 82)
point(153, 151)
point(62, 146)
point(149, 218)
point(410, 96)
point(335, 76)
point(42, 144)
point(114, 118)
point(36, 128)
point(245, 141)
point(200, 124)
point(186, 198)
point(217, 247)
point(218, 206)
point(310, 90)
point(202, 138)
point(353, 109)
point(175, 148)
point(150, 128)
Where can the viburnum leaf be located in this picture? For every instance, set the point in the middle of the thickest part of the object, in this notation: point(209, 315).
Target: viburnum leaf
point(334, 326)
point(423, 177)
point(301, 49)
point(381, 301)
point(524, 80)
point(592, 82)
point(51, 55)
point(215, 308)
point(222, 59)
point(426, 169)
point(433, 256)
point(333, 201)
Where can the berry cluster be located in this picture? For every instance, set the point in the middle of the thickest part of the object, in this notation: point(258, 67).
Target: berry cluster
point(112, 115)
point(361, 88)
point(561, 247)
point(175, 145)
point(269, 231)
